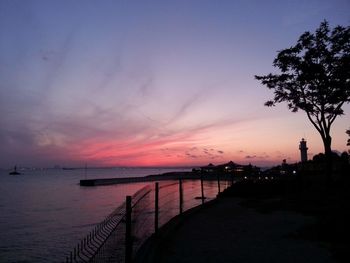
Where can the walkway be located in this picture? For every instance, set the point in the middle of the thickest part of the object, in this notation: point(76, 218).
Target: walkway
point(228, 232)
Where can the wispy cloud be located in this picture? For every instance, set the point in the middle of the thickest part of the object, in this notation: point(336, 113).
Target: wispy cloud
point(54, 60)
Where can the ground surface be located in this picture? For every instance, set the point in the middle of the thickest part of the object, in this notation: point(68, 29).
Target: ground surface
point(229, 232)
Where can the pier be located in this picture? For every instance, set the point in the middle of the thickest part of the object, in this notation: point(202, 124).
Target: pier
point(149, 178)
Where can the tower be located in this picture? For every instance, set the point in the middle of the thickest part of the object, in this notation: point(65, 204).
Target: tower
point(303, 150)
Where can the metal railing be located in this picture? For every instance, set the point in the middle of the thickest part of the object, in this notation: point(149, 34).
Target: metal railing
point(121, 234)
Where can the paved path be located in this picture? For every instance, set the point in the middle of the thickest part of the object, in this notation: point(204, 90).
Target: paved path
point(228, 232)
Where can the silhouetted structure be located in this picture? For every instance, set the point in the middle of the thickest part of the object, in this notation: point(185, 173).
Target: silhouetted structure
point(14, 172)
point(231, 167)
point(303, 150)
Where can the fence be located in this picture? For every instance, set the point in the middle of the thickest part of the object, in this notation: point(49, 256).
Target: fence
point(121, 234)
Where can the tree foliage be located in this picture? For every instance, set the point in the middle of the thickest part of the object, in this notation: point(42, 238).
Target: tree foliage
point(348, 133)
point(314, 77)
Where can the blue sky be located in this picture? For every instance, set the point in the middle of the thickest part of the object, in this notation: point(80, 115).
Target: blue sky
point(151, 82)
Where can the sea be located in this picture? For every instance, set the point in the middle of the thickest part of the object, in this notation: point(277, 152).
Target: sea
point(45, 212)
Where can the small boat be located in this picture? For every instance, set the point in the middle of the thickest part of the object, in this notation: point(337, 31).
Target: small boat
point(14, 172)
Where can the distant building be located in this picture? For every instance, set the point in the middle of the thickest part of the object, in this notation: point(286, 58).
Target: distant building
point(230, 167)
point(303, 150)
point(208, 169)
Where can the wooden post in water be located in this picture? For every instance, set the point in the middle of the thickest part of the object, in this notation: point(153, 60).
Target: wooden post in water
point(156, 207)
point(128, 241)
point(180, 196)
point(219, 184)
point(202, 189)
point(232, 177)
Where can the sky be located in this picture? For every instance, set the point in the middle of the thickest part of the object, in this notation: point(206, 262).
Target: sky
point(152, 83)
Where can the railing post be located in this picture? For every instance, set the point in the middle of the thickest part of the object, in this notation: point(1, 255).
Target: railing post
point(180, 195)
point(128, 242)
point(156, 207)
point(219, 184)
point(202, 189)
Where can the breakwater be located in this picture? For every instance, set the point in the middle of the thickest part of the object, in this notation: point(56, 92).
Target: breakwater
point(149, 178)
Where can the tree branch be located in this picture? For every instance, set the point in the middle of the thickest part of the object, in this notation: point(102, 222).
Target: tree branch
point(313, 122)
point(335, 114)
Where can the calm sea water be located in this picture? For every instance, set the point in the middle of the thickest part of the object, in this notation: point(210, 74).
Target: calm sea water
point(44, 213)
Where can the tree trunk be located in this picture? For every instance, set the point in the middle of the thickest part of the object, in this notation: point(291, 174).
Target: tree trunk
point(327, 142)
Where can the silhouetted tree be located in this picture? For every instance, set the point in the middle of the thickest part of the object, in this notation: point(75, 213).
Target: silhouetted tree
point(319, 158)
point(315, 77)
point(344, 157)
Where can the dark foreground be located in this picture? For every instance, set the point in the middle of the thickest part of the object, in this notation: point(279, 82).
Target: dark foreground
point(258, 223)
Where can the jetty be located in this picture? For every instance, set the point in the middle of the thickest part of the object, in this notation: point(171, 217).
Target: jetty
point(208, 172)
point(149, 178)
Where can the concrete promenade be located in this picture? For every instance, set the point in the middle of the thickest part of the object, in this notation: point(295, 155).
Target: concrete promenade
point(226, 231)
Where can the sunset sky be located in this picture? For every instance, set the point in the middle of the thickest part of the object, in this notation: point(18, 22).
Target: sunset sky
point(152, 83)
